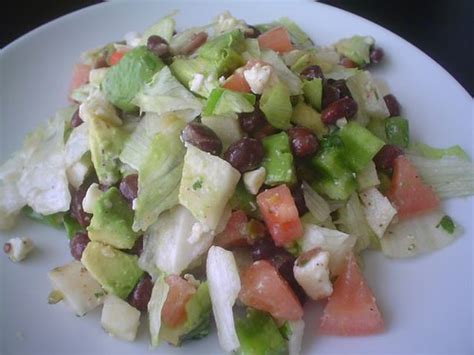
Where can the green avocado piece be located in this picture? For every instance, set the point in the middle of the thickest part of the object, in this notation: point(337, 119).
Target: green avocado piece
point(198, 319)
point(112, 221)
point(125, 79)
point(313, 92)
point(278, 160)
point(106, 142)
point(259, 335)
point(116, 271)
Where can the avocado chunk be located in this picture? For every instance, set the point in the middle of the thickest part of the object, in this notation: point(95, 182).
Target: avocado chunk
point(278, 160)
point(198, 319)
point(259, 335)
point(112, 221)
point(116, 271)
point(106, 142)
point(313, 92)
point(125, 79)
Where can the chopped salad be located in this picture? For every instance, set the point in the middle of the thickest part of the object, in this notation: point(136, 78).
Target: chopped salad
point(230, 173)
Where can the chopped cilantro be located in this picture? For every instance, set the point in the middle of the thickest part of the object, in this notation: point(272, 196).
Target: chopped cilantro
point(447, 224)
point(197, 184)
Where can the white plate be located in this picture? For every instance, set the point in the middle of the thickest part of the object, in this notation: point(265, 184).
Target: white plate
point(427, 302)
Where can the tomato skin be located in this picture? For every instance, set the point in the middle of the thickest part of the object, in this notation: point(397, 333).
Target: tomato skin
point(79, 77)
point(237, 82)
point(263, 288)
point(280, 214)
point(351, 309)
point(277, 39)
point(115, 57)
point(235, 232)
point(408, 193)
point(174, 308)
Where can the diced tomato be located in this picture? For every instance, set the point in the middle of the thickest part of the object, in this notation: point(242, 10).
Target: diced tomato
point(237, 82)
point(277, 39)
point(115, 57)
point(80, 76)
point(235, 232)
point(280, 214)
point(174, 308)
point(263, 288)
point(408, 193)
point(351, 309)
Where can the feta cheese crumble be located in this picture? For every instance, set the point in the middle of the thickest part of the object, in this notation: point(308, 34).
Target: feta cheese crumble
point(18, 248)
point(257, 77)
point(312, 273)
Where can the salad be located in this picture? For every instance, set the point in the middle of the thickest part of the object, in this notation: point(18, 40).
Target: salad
point(230, 174)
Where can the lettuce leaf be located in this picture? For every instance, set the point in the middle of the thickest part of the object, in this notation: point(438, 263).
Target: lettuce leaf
point(222, 101)
point(164, 28)
point(287, 77)
point(155, 306)
point(159, 175)
point(165, 94)
point(317, 205)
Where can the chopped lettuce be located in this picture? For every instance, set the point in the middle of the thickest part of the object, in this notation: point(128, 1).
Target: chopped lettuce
point(317, 205)
point(54, 220)
point(164, 28)
point(224, 287)
point(427, 151)
point(259, 335)
point(369, 99)
point(155, 306)
point(226, 127)
point(222, 101)
point(297, 35)
point(378, 210)
point(276, 105)
point(449, 176)
point(352, 220)
point(286, 76)
point(224, 51)
point(418, 235)
point(159, 175)
point(174, 242)
point(295, 336)
point(225, 22)
point(11, 200)
point(337, 243)
point(164, 94)
point(356, 48)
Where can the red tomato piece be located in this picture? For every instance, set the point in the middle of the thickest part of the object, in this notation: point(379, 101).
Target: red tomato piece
point(237, 82)
point(174, 308)
point(277, 39)
point(280, 214)
point(235, 232)
point(351, 309)
point(263, 288)
point(80, 76)
point(408, 193)
point(115, 57)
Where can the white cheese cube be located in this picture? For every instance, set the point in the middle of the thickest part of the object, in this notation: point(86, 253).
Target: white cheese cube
point(257, 77)
point(119, 319)
point(253, 180)
point(18, 248)
point(313, 274)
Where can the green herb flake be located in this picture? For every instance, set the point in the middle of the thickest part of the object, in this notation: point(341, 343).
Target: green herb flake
point(99, 294)
point(197, 184)
point(55, 296)
point(447, 224)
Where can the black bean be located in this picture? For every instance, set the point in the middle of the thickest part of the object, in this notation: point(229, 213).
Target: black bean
point(197, 40)
point(263, 248)
point(7, 247)
point(137, 247)
point(250, 122)
point(385, 157)
point(312, 72)
point(141, 294)
point(252, 32)
point(129, 187)
point(83, 218)
point(245, 154)
point(298, 197)
point(302, 141)
point(345, 107)
point(284, 262)
point(376, 55)
point(202, 137)
point(392, 104)
point(78, 243)
point(158, 46)
point(347, 63)
point(342, 87)
point(76, 119)
point(330, 94)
